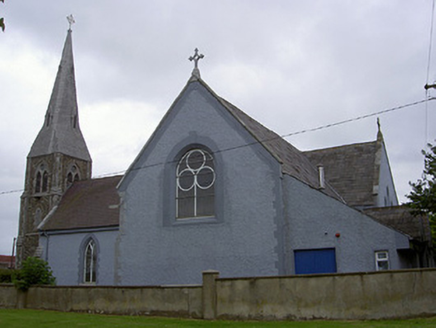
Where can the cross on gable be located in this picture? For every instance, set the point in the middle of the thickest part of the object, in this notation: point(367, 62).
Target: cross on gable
point(196, 58)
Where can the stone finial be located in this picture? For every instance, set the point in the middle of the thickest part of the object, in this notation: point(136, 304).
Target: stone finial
point(379, 132)
point(196, 58)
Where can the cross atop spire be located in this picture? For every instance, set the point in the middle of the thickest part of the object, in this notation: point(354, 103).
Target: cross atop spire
point(196, 58)
point(70, 20)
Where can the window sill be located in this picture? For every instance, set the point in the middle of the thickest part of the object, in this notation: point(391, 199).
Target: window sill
point(90, 284)
point(195, 220)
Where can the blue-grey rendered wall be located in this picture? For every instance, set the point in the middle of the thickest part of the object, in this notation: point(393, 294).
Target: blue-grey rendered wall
point(240, 240)
point(386, 194)
point(313, 219)
point(64, 253)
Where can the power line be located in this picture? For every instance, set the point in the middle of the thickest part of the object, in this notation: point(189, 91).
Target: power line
point(303, 131)
point(10, 191)
point(322, 127)
point(360, 117)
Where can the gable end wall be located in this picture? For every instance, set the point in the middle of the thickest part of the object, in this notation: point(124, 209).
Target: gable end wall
point(241, 240)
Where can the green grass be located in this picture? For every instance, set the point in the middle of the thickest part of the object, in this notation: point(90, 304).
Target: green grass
point(36, 319)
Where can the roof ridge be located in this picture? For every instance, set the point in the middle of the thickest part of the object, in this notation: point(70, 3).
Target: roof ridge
point(108, 177)
point(342, 146)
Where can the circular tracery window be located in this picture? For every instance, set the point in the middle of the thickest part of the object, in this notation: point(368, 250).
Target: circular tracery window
point(195, 169)
point(195, 179)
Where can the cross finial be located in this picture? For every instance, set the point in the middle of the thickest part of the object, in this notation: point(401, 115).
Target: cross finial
point(70, 20)
point(196, 58)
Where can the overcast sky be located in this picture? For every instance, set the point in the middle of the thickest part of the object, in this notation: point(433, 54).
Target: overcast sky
point(291, 65)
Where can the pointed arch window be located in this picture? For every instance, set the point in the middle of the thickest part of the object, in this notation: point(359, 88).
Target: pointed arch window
point(41, 180)
point(90, 262)
point(38, 182)
point(73, 175)
point(44, 181)
point(195, 179)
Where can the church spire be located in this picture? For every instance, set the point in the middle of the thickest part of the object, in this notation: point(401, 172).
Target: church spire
point(58, 157)
point(61, 132)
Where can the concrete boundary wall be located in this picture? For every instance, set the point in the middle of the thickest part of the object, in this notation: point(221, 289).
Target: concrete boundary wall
point(177, 301)
point(381, 295)
point(395, 294)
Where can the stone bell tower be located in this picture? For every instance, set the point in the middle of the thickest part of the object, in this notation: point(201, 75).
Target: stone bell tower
point(58, 157)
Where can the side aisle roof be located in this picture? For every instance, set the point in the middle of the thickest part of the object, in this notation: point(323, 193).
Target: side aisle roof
point(86, 204)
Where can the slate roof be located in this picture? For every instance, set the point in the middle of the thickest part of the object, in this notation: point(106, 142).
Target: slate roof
point(60, 132)
point(350, 170)
point(86, 204)
point(293, 161)
point(400, 218)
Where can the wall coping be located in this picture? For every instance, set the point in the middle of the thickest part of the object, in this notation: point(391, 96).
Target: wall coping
point(109, 287)
point(319, 275)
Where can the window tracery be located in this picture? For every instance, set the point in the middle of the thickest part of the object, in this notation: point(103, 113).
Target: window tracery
point(195, 178)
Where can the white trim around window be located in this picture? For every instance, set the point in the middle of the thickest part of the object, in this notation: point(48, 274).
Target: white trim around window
point(381, 260)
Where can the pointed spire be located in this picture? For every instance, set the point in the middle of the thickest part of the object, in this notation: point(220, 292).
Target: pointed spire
point(61, 132)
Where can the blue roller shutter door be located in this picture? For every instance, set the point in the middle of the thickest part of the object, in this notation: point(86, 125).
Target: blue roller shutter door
point(315, 261)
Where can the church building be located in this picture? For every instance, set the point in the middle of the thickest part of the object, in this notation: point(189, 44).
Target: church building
point(211, 189)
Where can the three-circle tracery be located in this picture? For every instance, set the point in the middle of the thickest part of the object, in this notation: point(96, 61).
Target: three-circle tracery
point(195, 178)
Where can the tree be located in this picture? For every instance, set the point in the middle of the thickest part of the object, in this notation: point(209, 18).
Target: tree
point(34, 271)
point(423, 195)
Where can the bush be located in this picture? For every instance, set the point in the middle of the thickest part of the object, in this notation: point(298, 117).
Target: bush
point(7, 275)
point(34, 271)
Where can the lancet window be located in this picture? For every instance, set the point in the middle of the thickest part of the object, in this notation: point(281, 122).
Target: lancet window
point(73, 175)
point(41, 180)
point(90, 262)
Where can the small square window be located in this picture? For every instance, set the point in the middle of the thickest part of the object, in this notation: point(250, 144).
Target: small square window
point(381, 260)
